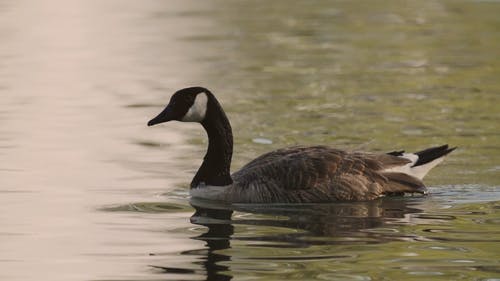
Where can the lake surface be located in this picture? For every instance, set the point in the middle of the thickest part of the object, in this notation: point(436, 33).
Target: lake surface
point(89, 192)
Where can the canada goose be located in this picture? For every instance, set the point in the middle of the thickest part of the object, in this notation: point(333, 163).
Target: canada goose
point(297, 174)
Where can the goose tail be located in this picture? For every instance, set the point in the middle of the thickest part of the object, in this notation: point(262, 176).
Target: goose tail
point(421, 162)
point(407, 178)
point(428, 159)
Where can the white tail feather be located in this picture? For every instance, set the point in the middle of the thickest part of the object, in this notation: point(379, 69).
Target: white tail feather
point(419, 171)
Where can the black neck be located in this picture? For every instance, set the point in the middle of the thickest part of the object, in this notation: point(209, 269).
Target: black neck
point(215, 169)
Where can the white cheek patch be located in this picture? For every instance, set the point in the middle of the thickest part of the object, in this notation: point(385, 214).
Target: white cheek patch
point(197, 111)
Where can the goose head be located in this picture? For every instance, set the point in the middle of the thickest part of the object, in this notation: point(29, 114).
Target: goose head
point(197, 104)
point(185, 105)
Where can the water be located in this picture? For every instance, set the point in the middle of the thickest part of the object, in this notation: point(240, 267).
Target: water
point(90, 193)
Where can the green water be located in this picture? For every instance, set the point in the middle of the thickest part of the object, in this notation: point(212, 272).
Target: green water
point(377, 76)
point(90, 193)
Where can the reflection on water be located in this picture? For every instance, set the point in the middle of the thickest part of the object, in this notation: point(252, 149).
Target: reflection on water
point(331, 220)
point(90, 193)
point(283, 239)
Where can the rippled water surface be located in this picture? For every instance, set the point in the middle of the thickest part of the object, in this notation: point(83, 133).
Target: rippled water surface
point(88, 192)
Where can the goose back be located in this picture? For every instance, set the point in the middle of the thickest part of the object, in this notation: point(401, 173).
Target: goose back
point(318, 174)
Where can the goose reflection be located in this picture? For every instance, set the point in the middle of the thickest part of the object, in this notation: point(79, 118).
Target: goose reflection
point(303, 226)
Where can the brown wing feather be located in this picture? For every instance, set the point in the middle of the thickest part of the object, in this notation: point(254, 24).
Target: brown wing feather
point(317, 174)
point(399, 183)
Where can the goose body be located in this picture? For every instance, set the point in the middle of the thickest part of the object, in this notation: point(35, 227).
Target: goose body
point(297, 174)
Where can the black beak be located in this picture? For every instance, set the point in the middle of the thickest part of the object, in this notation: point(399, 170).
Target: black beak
point(164, 116)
